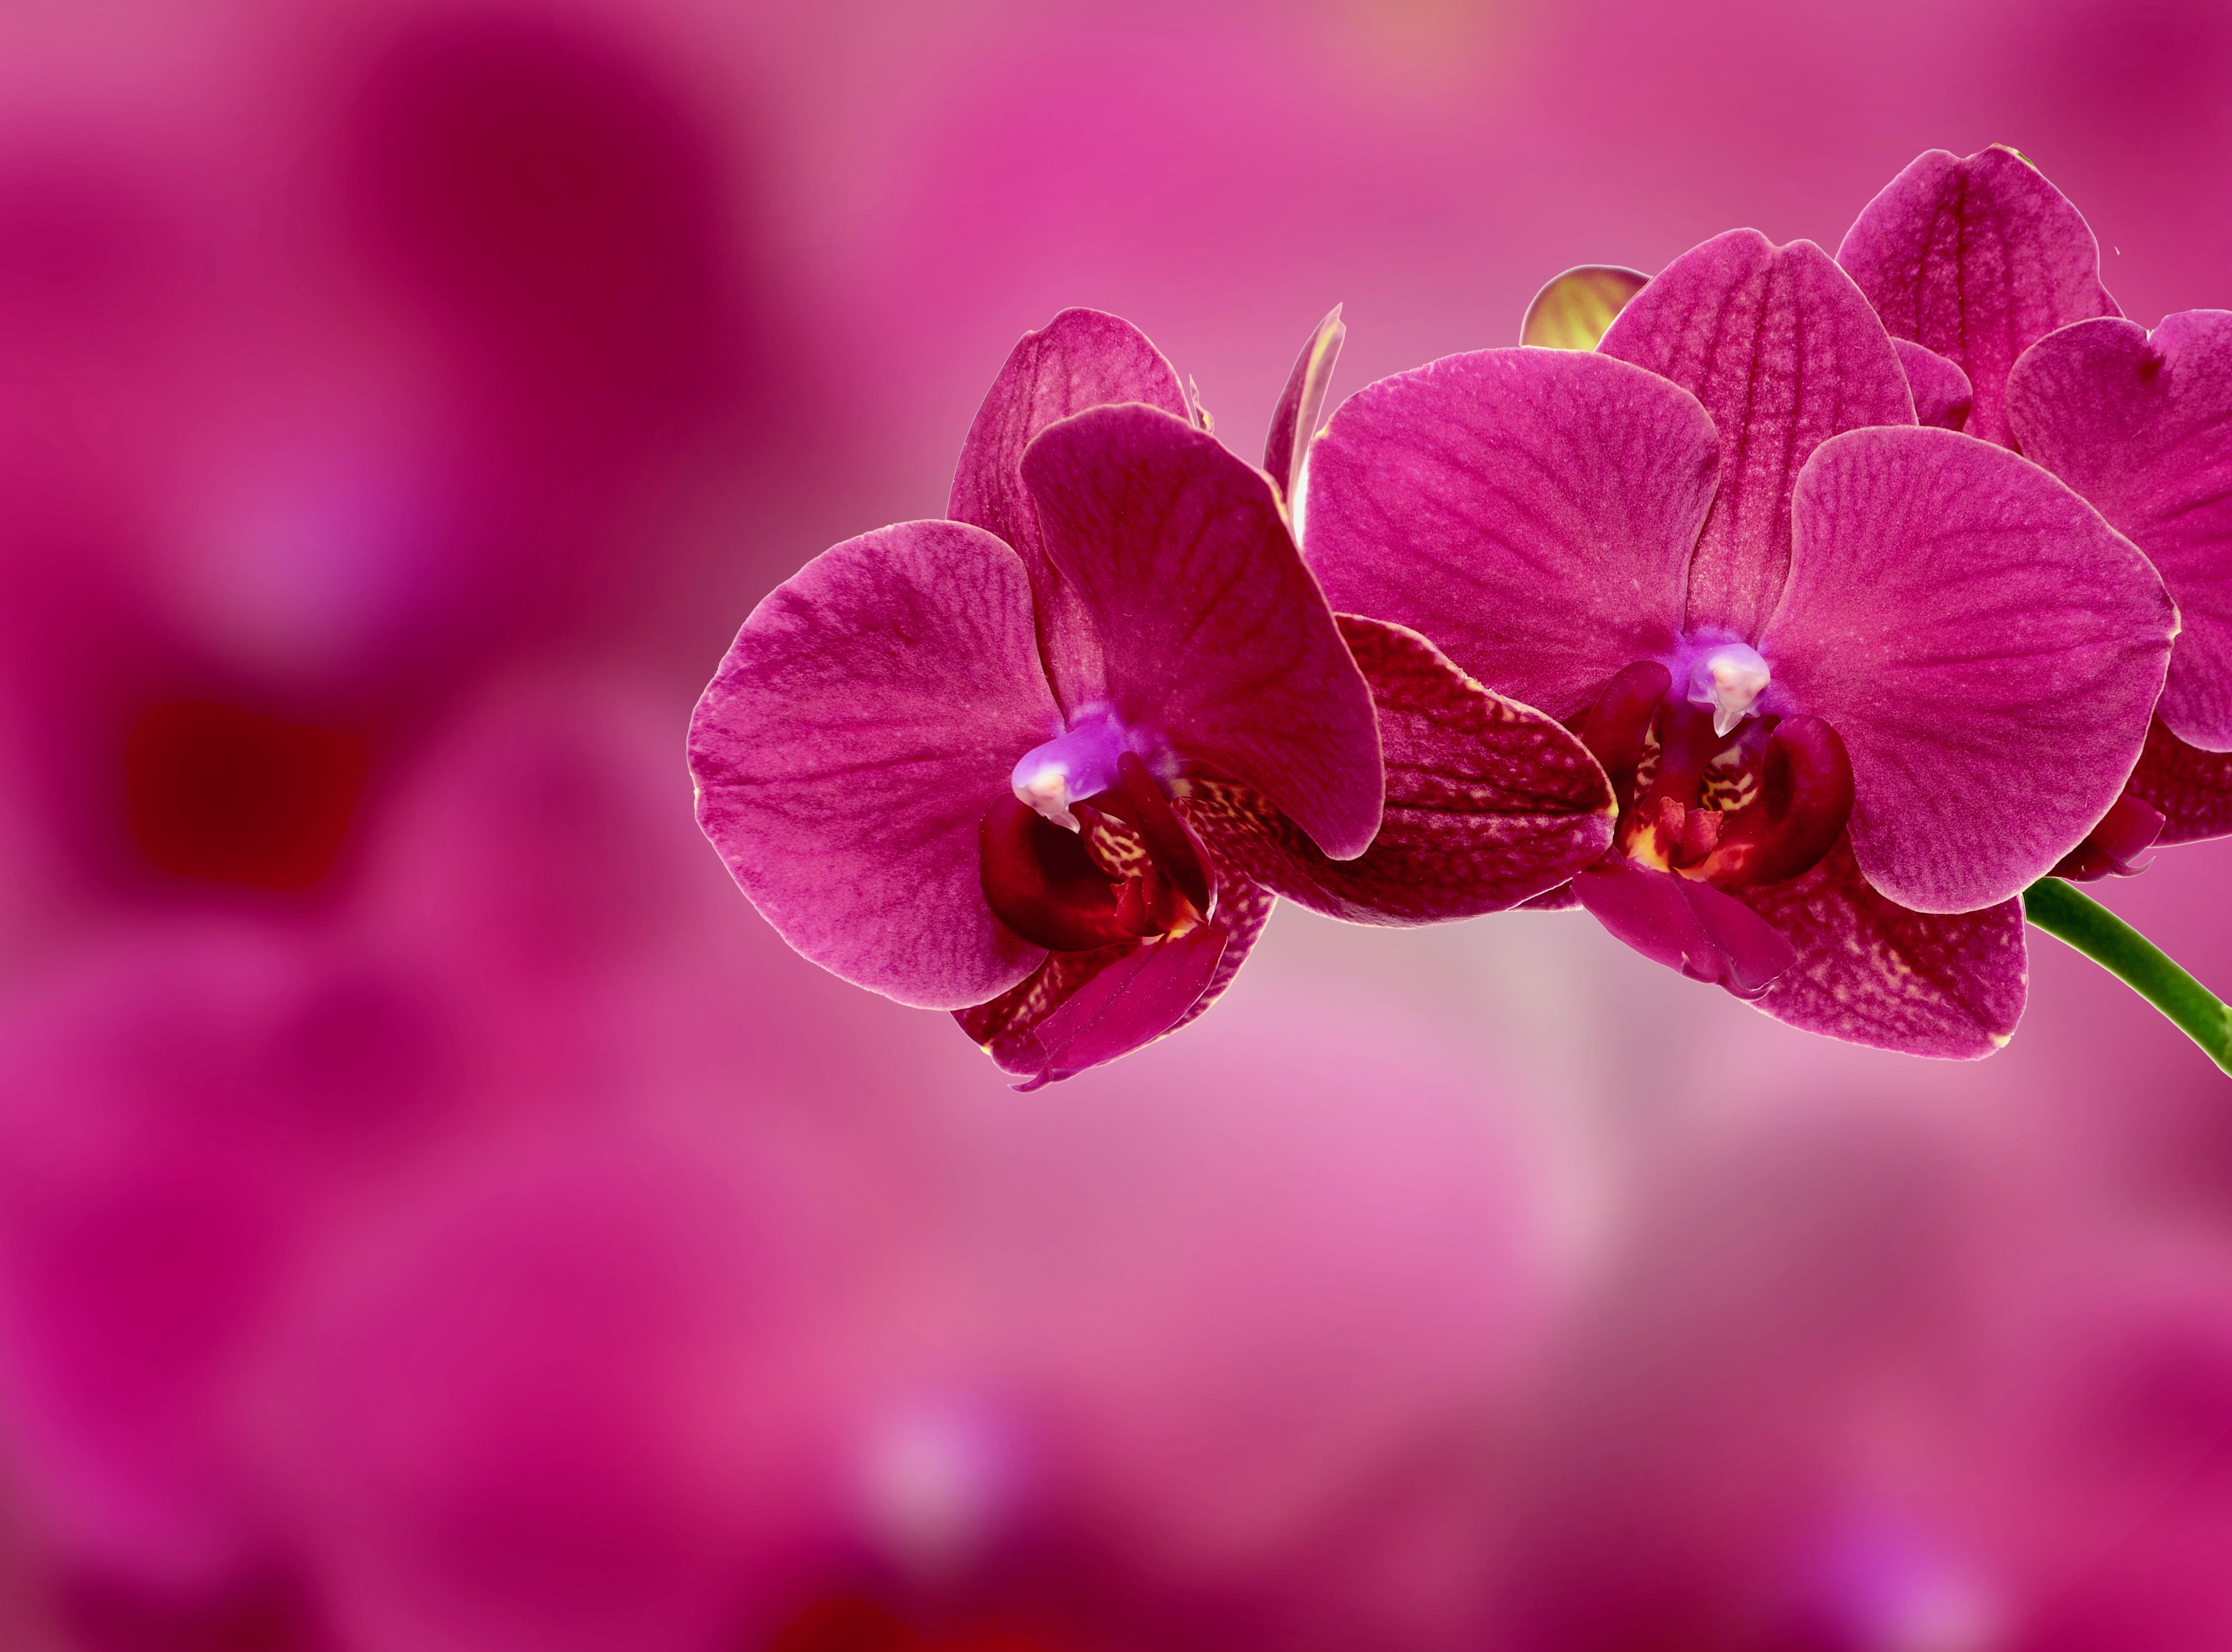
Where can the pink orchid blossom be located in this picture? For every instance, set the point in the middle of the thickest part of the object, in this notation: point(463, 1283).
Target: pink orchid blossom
point(1045, 764)
point(1856, 682)
point(1984, 260)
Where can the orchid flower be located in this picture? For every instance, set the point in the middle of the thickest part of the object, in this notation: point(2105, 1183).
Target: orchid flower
point(1856, 682)
point(1984, 260)
point(938, 757)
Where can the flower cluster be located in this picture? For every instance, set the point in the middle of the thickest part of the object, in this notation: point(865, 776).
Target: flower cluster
point(1790, 614)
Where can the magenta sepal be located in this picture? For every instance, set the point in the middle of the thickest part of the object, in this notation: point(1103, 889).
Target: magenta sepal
point(1489, 802)
point(1976, 259)
point(1869, 971)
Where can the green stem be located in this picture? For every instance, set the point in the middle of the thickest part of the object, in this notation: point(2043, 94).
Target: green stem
point(2059, 909)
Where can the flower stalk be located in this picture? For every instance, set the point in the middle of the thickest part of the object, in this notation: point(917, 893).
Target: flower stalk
point(2069, 916)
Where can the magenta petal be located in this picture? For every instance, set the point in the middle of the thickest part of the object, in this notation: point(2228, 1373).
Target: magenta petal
point(1531, 511)
point(1693, 927)
point(1079, 1009)
point(1871, 972)
point(2191, 787)
point(868, 712)
point(2141, 424)
point(1294, 420)
point(1988, 648)
point(1082, 359)
point(1217, 636)
point(1977, 259)
point(1784, 353)
point(1942, 395)
point(1489, 802)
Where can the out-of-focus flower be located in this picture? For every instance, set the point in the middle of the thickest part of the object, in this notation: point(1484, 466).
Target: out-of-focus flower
point(1767, 621)
point(896, 757)
point(1573, 310)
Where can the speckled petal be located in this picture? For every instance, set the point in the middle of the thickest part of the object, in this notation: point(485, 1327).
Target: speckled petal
point(868, 712)
point(1489, 802)
point(1082, 359)
point(1784, 353)
point(1977, 259)
point(1871, 972)
point(2141, 424)
point(1217, 636)
point(2193, 788)
point(1942, 395)
point(1987, 646)
point(1532, 511)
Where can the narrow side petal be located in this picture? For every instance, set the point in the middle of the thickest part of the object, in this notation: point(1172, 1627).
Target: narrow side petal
point(1531, 511)
point(1871, 972)
point(1489, 802)
point(1215, 635)
point(1573, 310)
point(2141, 424)
point(1784, 353)
point(1977, 259)
point(1294, 420)
point(2191, 787)
point(867, 715)
point(1941, 394)
point(1988, 648)
point(1082, 359)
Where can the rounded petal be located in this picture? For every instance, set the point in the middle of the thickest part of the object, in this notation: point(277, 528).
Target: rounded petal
point(2141, 424)
point(1988, 648)
point(1531, 511)
point(1082, 359)
point(1784, 353)
point(1871, 972)
point(1976, 259)
point(1215, 636)
point(1704, 932)
point(2192, 788)
point(1942, 395)
point(1573, 310)
point(1489, 802)
point(868, 712)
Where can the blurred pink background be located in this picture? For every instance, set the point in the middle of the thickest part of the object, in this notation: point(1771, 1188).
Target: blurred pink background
point(437, 1214)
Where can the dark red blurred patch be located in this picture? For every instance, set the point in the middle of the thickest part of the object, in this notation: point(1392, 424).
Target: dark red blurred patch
point(232, 796)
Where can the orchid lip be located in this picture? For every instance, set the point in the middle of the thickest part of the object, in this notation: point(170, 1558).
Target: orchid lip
point(1729, 678)
point(1079, 763)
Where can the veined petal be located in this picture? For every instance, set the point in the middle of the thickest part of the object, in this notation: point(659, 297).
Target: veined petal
point(2141, 424)
point(1574, 310)
point(1977, 259)
point(868, 712)
point(1784, 353)
point(1987, 646)
point(1082, 1009)
point(1871, 972)
point(2191, 787)
point(1531, 511)
point(1082, 359)
point(1294, 420)
point(1489, 802)
point(1942, 395)
point(1216, 638)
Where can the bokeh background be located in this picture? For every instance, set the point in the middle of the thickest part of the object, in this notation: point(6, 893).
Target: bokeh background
point(437, 1215)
